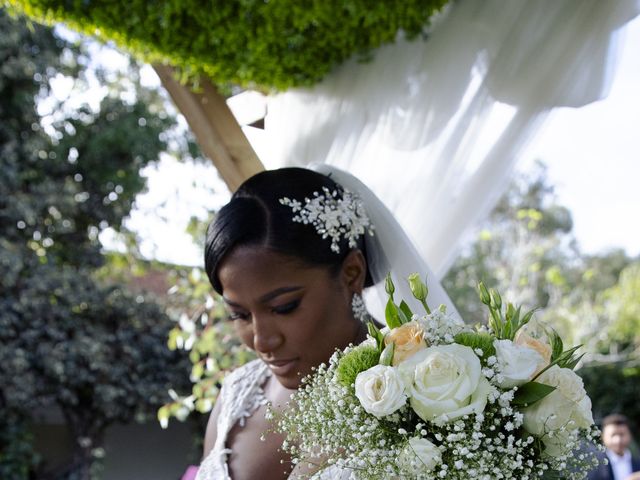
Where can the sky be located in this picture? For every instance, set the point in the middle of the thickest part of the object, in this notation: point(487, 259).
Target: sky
point(592, 154)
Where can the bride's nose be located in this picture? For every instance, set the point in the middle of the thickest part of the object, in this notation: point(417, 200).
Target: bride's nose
point(266, 336)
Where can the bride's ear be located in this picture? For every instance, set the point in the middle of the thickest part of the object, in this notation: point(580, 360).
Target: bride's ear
point(354, 271)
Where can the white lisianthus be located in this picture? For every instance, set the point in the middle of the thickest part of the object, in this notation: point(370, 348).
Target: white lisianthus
point(564, 410)
point(380, 390)
point(445, 382)
point(420, 455)
point(518, 363)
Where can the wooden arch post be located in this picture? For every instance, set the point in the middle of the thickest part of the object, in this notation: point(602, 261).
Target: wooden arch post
point(216, 129)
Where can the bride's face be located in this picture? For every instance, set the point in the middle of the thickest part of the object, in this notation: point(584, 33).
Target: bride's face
point(294, 316)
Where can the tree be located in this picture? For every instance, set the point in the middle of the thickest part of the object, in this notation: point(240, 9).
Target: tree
point(238, 43)
point(203, 330)
point(524, 249)
point(244, 43)
point(72, 342)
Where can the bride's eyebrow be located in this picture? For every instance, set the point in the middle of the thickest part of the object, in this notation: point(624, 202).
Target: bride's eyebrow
point(267, 296)
point(277, 292)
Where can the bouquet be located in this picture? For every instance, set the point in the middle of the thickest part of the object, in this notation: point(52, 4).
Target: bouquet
point(429, 397)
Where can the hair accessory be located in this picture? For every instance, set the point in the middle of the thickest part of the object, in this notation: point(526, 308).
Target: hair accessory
point(359, 309)
point(332, 216)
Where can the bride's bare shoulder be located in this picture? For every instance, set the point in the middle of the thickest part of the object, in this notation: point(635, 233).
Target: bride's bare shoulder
point(229, 389)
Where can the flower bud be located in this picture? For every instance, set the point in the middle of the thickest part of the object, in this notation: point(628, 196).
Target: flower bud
point(418, 287)
point(389, 287)
point(496, 299)
point(484, 294)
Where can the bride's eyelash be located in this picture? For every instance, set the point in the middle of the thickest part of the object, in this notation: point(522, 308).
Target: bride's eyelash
point(286, 308)
point(238, 316)
point(280, 310)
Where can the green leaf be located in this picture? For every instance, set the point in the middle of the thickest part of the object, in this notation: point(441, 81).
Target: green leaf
point(406, 309)
point(572, 362)
point(567, 357)
point(197, 371)
point(527, 317)
point(556, 346)
point(378, 336)
point(402, 316)
point(391, 315)
point(530, 393)
point(387, 354)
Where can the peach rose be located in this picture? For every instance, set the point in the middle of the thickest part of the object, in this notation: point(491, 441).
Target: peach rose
point(408, 339)
point(532, 336)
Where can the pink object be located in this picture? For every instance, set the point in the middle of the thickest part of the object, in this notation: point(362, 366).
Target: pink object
point(190, 473)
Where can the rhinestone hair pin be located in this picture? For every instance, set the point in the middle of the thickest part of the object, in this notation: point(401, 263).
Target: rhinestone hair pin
point(333, 217)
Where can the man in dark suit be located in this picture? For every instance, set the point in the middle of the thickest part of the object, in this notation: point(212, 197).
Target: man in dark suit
point(616, 436)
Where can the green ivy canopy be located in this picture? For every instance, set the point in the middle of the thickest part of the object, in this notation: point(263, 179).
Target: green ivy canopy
point(269, 44)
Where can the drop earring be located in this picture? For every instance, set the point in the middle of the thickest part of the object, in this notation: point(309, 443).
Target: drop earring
point(359, 309)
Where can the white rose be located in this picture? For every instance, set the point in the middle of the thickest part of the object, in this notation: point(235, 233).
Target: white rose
point(565, 409)
point(421, 455)
point(518, 363)
point(445, 382)
point(380, 390)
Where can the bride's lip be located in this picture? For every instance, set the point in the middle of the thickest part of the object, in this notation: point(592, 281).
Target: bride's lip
point(282, 367)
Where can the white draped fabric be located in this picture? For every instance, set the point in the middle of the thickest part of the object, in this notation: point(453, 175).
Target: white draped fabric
point(434, 127)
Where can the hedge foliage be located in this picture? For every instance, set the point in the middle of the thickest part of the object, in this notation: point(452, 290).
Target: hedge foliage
point(251, 43)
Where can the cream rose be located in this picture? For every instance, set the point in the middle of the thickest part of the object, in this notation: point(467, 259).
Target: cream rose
point(380, 390)
point(518, 363)
point(565, 409)
point(532, 335)
point(445, 382)
point(408, 339)
point(420, 455)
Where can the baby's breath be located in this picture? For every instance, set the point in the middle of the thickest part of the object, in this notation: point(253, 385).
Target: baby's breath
point(327, 426)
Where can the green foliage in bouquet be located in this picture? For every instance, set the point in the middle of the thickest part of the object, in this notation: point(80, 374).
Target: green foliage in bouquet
point(431, 397)
point(505, 323)
point(355, 361)
point(276, 44)
point(481, 340)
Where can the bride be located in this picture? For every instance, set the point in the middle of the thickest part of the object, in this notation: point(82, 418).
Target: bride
point(291, 254)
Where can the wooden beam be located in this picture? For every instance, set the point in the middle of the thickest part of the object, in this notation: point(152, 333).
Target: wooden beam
point(216, 130)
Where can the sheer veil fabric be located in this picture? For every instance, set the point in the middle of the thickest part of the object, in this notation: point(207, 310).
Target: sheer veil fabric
point(434, 127)
point(389, 250)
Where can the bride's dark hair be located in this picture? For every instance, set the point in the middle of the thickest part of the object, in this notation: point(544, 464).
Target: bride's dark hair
point(255, 217)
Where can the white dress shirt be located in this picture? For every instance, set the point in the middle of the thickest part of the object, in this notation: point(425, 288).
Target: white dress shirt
point(621, 465)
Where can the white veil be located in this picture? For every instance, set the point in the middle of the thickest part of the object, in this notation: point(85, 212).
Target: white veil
point(389, 250)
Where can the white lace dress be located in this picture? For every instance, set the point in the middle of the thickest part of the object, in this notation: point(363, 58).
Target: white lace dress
point(241, 395)
point(239, 398)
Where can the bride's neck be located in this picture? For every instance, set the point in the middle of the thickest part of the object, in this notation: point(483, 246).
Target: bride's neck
point(361, 333)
